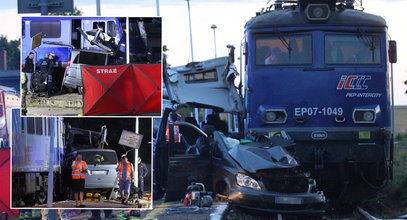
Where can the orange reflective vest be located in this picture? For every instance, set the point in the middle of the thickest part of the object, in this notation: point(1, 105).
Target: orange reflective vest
point(129, 171)
point(177, 134)
point(77, 171)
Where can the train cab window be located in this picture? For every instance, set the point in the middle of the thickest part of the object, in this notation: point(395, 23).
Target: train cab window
point(38, 126)
point(99, 24)
point(30, 125)
point(49, 29)
point(352, 49)
point(112, 29)
point(287, 50)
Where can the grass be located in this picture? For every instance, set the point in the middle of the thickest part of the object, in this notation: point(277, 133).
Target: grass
point(401, 137)
point(392, 200)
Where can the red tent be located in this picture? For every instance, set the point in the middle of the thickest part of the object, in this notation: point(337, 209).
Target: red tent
point(148, 92)
point(122, 90)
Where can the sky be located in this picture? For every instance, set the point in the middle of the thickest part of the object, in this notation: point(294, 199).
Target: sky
point(229, 16)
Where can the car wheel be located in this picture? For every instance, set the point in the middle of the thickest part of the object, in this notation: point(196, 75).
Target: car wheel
point(115, 194)
point(68, 89)
point(80, 90)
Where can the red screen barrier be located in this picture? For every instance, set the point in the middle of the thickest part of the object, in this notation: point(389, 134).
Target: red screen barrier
point(122, 90)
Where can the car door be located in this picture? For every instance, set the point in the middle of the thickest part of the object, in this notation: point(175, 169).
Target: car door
point(173, 169)
point(183, 169)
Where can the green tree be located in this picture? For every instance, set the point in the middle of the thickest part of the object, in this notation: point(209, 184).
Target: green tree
point(13, 52)
point(76, 12)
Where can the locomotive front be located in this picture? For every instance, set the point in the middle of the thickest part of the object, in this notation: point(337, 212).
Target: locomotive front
point(320, 71)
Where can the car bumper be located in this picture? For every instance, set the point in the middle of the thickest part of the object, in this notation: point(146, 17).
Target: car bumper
point(71, 82)
point(300, 203)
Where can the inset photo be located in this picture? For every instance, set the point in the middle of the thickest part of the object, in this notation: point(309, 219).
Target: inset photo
point(79, 66)
point(69, 163)
point(145, 40)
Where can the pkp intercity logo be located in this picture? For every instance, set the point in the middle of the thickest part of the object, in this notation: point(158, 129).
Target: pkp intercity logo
point(353, 82)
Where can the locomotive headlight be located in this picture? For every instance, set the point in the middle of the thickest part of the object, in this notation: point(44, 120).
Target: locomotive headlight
point(274, 116)
point(368, 116)
point(365, 115)
point(270, 116)
point(317, 12)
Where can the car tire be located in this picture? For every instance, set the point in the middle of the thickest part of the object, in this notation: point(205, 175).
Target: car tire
point(69, 90)
point(115, 194)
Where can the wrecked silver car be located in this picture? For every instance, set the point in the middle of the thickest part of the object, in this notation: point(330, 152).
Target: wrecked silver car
point(257, 174)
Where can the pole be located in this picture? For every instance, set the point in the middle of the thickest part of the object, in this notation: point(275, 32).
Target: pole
point(190, 32)
point(51, 164)
point(214, 37)
point(35, 62)
point(44, 7)
point(98, 13)
point(136, 157)
point(157, 5)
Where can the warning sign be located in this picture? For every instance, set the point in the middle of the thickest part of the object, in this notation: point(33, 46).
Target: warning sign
point(36, 41)
point(130, 139)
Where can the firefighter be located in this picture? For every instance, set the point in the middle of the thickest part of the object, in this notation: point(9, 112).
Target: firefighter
point(79, 169)
point(142, 173)
point(46, 68)
point(173, 117)
point(125, 172)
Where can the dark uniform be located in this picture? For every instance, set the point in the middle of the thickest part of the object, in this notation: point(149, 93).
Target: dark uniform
point(46, 67)
point(142, 173)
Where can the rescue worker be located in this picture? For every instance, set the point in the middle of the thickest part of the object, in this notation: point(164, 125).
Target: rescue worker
point(79, 169)
point(28, 70)
point(142, 173)
point(46, 68)
point(173, 117)
point(125, 172)
point(40, 60)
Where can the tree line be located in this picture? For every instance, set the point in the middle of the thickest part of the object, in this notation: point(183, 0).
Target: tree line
point(13, 52)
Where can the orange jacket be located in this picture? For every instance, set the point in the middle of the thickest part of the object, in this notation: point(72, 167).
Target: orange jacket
point(77, 171)
point(177, 134)
point(129, 171)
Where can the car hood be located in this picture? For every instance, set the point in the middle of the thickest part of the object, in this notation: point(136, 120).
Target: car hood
point(253, 157)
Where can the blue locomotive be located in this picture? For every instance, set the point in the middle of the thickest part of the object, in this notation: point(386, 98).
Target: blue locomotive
point(321, 71)
point(317, 73)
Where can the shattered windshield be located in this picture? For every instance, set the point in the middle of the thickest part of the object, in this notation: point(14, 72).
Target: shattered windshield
point(352, 49)
point(284, 50)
